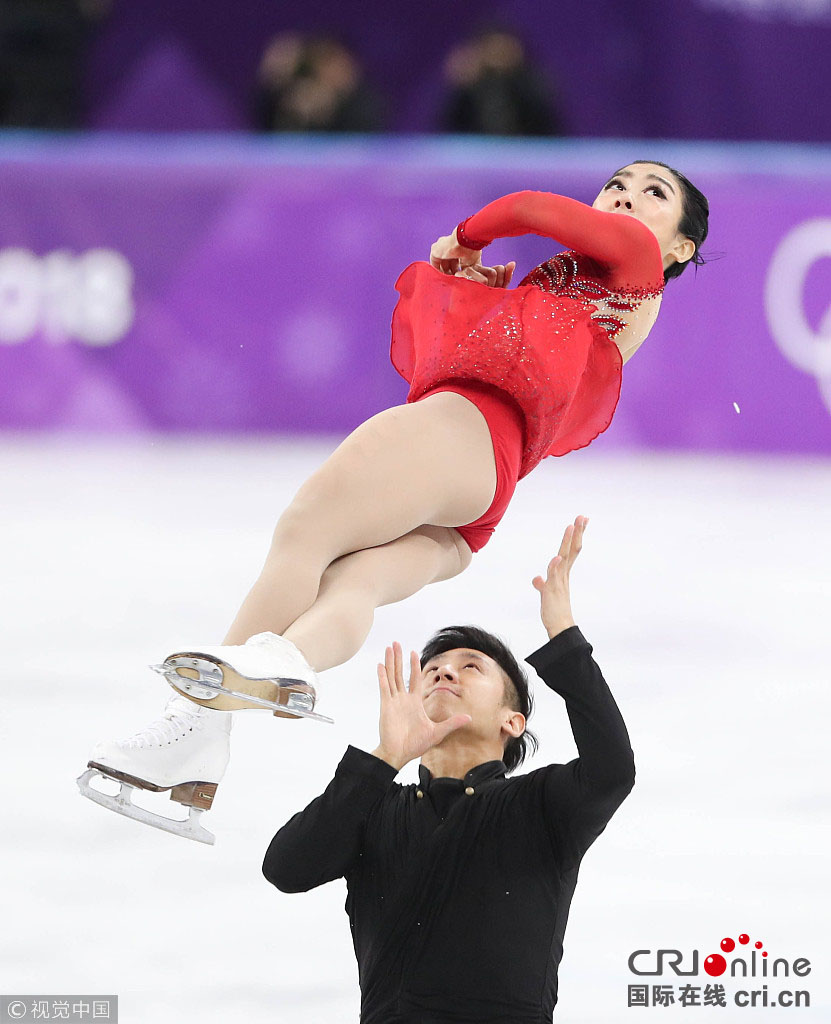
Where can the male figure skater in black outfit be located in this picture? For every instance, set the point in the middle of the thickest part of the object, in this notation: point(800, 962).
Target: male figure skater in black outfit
point(459, 887)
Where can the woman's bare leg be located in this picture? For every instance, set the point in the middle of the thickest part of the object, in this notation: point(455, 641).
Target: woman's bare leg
point(354, 585)
point(428, 462)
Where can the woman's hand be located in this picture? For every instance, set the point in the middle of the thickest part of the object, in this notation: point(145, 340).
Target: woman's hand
point(448, 256)
point(555, 607)
point(406, 731)
point(497, 277)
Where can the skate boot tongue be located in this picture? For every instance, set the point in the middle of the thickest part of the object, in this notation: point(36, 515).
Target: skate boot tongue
point(178, 706)
point(181, 709)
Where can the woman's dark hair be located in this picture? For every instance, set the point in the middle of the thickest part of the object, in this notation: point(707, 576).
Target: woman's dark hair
point(694, 223)
point(517, 695)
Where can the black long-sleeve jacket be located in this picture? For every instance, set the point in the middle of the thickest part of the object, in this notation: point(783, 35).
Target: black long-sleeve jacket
point(459, 889)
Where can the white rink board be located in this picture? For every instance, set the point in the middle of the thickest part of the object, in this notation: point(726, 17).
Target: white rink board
point(703, 586)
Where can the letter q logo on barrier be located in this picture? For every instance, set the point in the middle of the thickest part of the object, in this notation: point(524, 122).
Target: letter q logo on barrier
point(806, 348)
point(85, 297)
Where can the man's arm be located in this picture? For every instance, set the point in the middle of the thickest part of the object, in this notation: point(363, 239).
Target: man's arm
point(566, 665)
point(581, 796)
point(323, 841)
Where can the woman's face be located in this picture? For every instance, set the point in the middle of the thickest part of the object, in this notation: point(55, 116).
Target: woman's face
point(651, 194)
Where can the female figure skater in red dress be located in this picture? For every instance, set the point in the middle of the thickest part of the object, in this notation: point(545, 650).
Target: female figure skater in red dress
point(499, 380)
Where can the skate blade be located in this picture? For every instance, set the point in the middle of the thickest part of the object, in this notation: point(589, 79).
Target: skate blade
point(121, 803)
point(202, 680)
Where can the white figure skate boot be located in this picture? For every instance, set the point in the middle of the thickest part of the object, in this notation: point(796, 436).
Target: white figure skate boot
point(267, 671)
point(186, 751)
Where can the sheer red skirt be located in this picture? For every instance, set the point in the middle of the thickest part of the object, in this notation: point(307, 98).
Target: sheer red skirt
point(544, 350)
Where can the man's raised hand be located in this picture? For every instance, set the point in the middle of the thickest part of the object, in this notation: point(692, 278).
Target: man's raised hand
point(555, 604)
point(406, 731)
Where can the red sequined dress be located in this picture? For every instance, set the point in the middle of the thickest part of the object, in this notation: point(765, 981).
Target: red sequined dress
point(553, 342)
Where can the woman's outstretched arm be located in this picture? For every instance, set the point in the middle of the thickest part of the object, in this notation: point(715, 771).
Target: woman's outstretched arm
point(612, 239)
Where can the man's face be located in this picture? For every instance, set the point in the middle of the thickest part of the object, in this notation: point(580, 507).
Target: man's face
point(464, 681)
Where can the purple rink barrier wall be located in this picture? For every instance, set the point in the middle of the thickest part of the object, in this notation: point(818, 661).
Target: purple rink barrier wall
point(215, 285)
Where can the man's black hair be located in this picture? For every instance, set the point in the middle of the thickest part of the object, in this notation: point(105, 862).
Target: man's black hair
point(517, 695)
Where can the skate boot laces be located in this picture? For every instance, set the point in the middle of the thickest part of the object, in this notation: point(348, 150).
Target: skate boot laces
point(180, 717)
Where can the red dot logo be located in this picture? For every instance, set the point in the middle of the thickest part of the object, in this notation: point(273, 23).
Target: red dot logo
point(715, 964)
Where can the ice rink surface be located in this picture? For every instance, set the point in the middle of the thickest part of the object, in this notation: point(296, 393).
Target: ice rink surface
point(703, 585)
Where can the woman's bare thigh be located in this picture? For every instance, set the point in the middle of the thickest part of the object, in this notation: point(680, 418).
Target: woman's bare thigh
point(428, 462)
point(396, 570)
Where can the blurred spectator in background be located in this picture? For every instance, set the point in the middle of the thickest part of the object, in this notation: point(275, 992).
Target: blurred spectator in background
point(494, 90)
point(42, 45)
point(314, 83)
